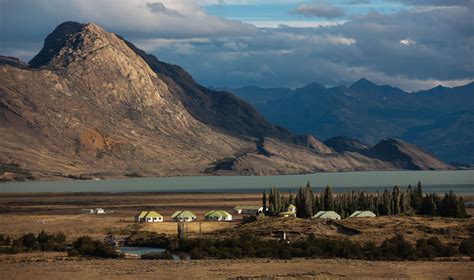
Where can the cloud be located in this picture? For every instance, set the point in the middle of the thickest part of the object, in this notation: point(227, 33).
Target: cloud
point(160, 8)
point(319, 9)
point(407, 42)
point(412, 48)
point(436, 2)
point(355, 2)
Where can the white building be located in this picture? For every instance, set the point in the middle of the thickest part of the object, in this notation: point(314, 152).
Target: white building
point(218, 215)
point(249, 210)
point(362, 214)
point(330, 215)
point(98, 211)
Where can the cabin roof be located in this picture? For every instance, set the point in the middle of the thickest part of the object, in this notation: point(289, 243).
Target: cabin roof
point(183, 214)
point(361, 214)
point(218, 213)
point(327, 214)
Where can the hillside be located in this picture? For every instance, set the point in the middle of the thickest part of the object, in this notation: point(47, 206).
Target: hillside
point(438, 120)
point(92, 105)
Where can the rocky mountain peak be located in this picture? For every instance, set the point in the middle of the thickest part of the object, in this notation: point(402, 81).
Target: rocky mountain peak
point(363, 84)
point(54, 42)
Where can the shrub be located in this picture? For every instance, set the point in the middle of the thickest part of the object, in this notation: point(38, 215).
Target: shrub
point(156, 256)
point(467, 247)
point(397, 248)
point(4, 240)
point(29, 240)
point(196, 254)
point(89, 247)
point(72, 253)
point(284, 252)
point(183, 256)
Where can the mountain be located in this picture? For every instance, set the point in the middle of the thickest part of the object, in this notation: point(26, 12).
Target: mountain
point(434, 119)
point(253, 94)
point(405, 155)
point(342, 144)
point(92, 105)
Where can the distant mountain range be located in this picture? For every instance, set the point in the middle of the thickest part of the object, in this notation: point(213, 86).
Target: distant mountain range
point(92, 105)
point(440, 120)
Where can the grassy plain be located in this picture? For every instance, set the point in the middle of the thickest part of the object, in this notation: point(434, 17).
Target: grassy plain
point(23, 213)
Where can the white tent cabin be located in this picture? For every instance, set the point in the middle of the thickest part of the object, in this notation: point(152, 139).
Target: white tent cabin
point(362, 214)
point(329, 215)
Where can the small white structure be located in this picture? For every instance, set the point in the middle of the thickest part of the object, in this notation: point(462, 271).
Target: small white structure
point(98, 211)
point(251, 210)
point(469, 204)
point(95, 211)
point(330, 215)
point(362, 214)
point(218, 215)
point(291, 208)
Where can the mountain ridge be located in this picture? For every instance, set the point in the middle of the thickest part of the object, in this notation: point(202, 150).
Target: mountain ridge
point(370, 112)
point(92, 105)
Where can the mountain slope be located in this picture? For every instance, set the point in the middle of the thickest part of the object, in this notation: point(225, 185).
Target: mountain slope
point(405, 155)
point(370, 112)
point(93, 105)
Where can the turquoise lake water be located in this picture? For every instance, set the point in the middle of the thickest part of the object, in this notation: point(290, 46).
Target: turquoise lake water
point(461, 181)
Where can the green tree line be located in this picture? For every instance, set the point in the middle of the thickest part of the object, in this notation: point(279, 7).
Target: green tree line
point(396, 202)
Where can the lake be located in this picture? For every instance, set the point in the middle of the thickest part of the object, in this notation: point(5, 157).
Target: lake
point(460, 181)
point(143, 250)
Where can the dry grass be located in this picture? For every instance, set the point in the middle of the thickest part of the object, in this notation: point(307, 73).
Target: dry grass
point(23, 213)
point(53, 266)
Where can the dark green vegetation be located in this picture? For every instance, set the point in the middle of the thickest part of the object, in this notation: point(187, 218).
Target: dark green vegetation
point(83, 246)
point(398, 202)
point(156, 256)
point(31, 242)
point(86, 246)
point(251, 246)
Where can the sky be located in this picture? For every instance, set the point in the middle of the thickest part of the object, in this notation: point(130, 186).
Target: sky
point(413, 45)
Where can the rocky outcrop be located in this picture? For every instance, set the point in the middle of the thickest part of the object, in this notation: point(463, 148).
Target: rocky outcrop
point(345, 144)
point(310, 141)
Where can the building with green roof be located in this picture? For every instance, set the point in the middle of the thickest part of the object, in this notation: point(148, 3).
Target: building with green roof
point(362, 214)
point(330, 215)
point(183, 216)
point(149, 217)
point(218, 215)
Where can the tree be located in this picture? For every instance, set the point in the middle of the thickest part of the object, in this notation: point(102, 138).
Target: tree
point(308, 204)
point(428, 205)
point(291, 198)
point(264, 201)
point(328, 199)
point(396, 197)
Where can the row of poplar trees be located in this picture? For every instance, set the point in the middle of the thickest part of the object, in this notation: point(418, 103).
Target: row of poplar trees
point(409, 201)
